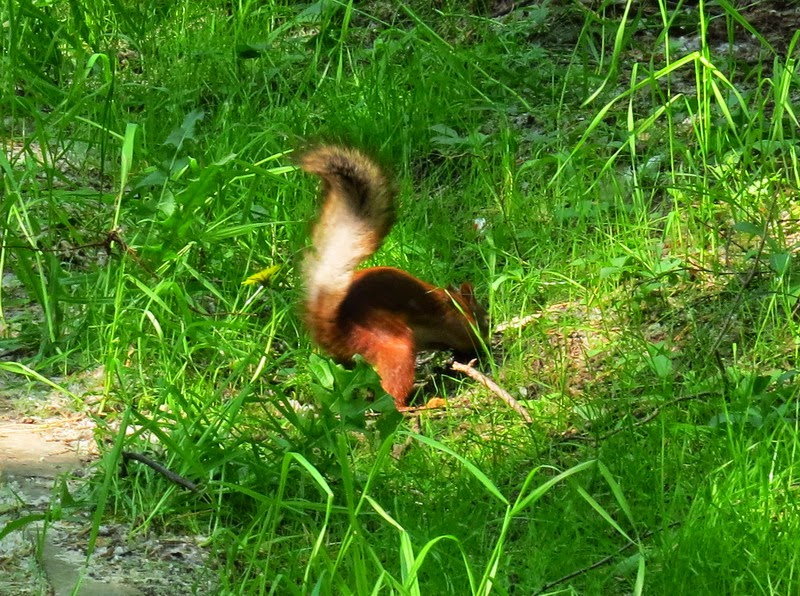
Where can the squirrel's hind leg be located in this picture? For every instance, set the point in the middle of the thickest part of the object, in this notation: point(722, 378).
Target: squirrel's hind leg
point(394, 361)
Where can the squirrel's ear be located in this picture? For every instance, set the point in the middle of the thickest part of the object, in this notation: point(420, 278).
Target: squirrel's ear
point(466, 290)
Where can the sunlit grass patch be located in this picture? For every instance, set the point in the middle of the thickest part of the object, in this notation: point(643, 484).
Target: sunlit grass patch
point(621, 189)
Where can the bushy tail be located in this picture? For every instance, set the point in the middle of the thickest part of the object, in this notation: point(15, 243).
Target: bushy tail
point(357, 213)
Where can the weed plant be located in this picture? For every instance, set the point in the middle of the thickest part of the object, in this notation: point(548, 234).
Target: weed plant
point(624, 174)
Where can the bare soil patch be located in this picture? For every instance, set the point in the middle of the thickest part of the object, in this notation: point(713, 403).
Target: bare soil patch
point(45, 464)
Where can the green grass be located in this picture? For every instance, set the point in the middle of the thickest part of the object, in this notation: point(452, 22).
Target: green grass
point(639, 195)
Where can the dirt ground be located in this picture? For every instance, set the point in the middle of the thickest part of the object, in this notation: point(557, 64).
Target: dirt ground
point(45, 527)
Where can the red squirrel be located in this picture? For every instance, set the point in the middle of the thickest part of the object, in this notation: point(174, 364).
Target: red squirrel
point(382, 313)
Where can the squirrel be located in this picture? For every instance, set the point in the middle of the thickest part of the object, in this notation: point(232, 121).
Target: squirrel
point(384, 314)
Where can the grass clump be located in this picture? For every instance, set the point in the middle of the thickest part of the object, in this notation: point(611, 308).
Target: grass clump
point(621, 181)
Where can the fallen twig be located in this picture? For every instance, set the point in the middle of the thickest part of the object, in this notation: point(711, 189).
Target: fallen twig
point(517, 322)
point(640, 422)
point(168, 474)
point(601, 562)
point(475, 374)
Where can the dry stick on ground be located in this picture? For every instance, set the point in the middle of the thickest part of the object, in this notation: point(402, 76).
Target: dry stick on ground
point(112, 237)
point(601, 562)
point(641, 422)
point(517, 322)
point(520, 322)
point(471, 372)
point(188, 484)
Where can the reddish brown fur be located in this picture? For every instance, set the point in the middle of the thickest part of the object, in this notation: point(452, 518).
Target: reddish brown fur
point(382, 313)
